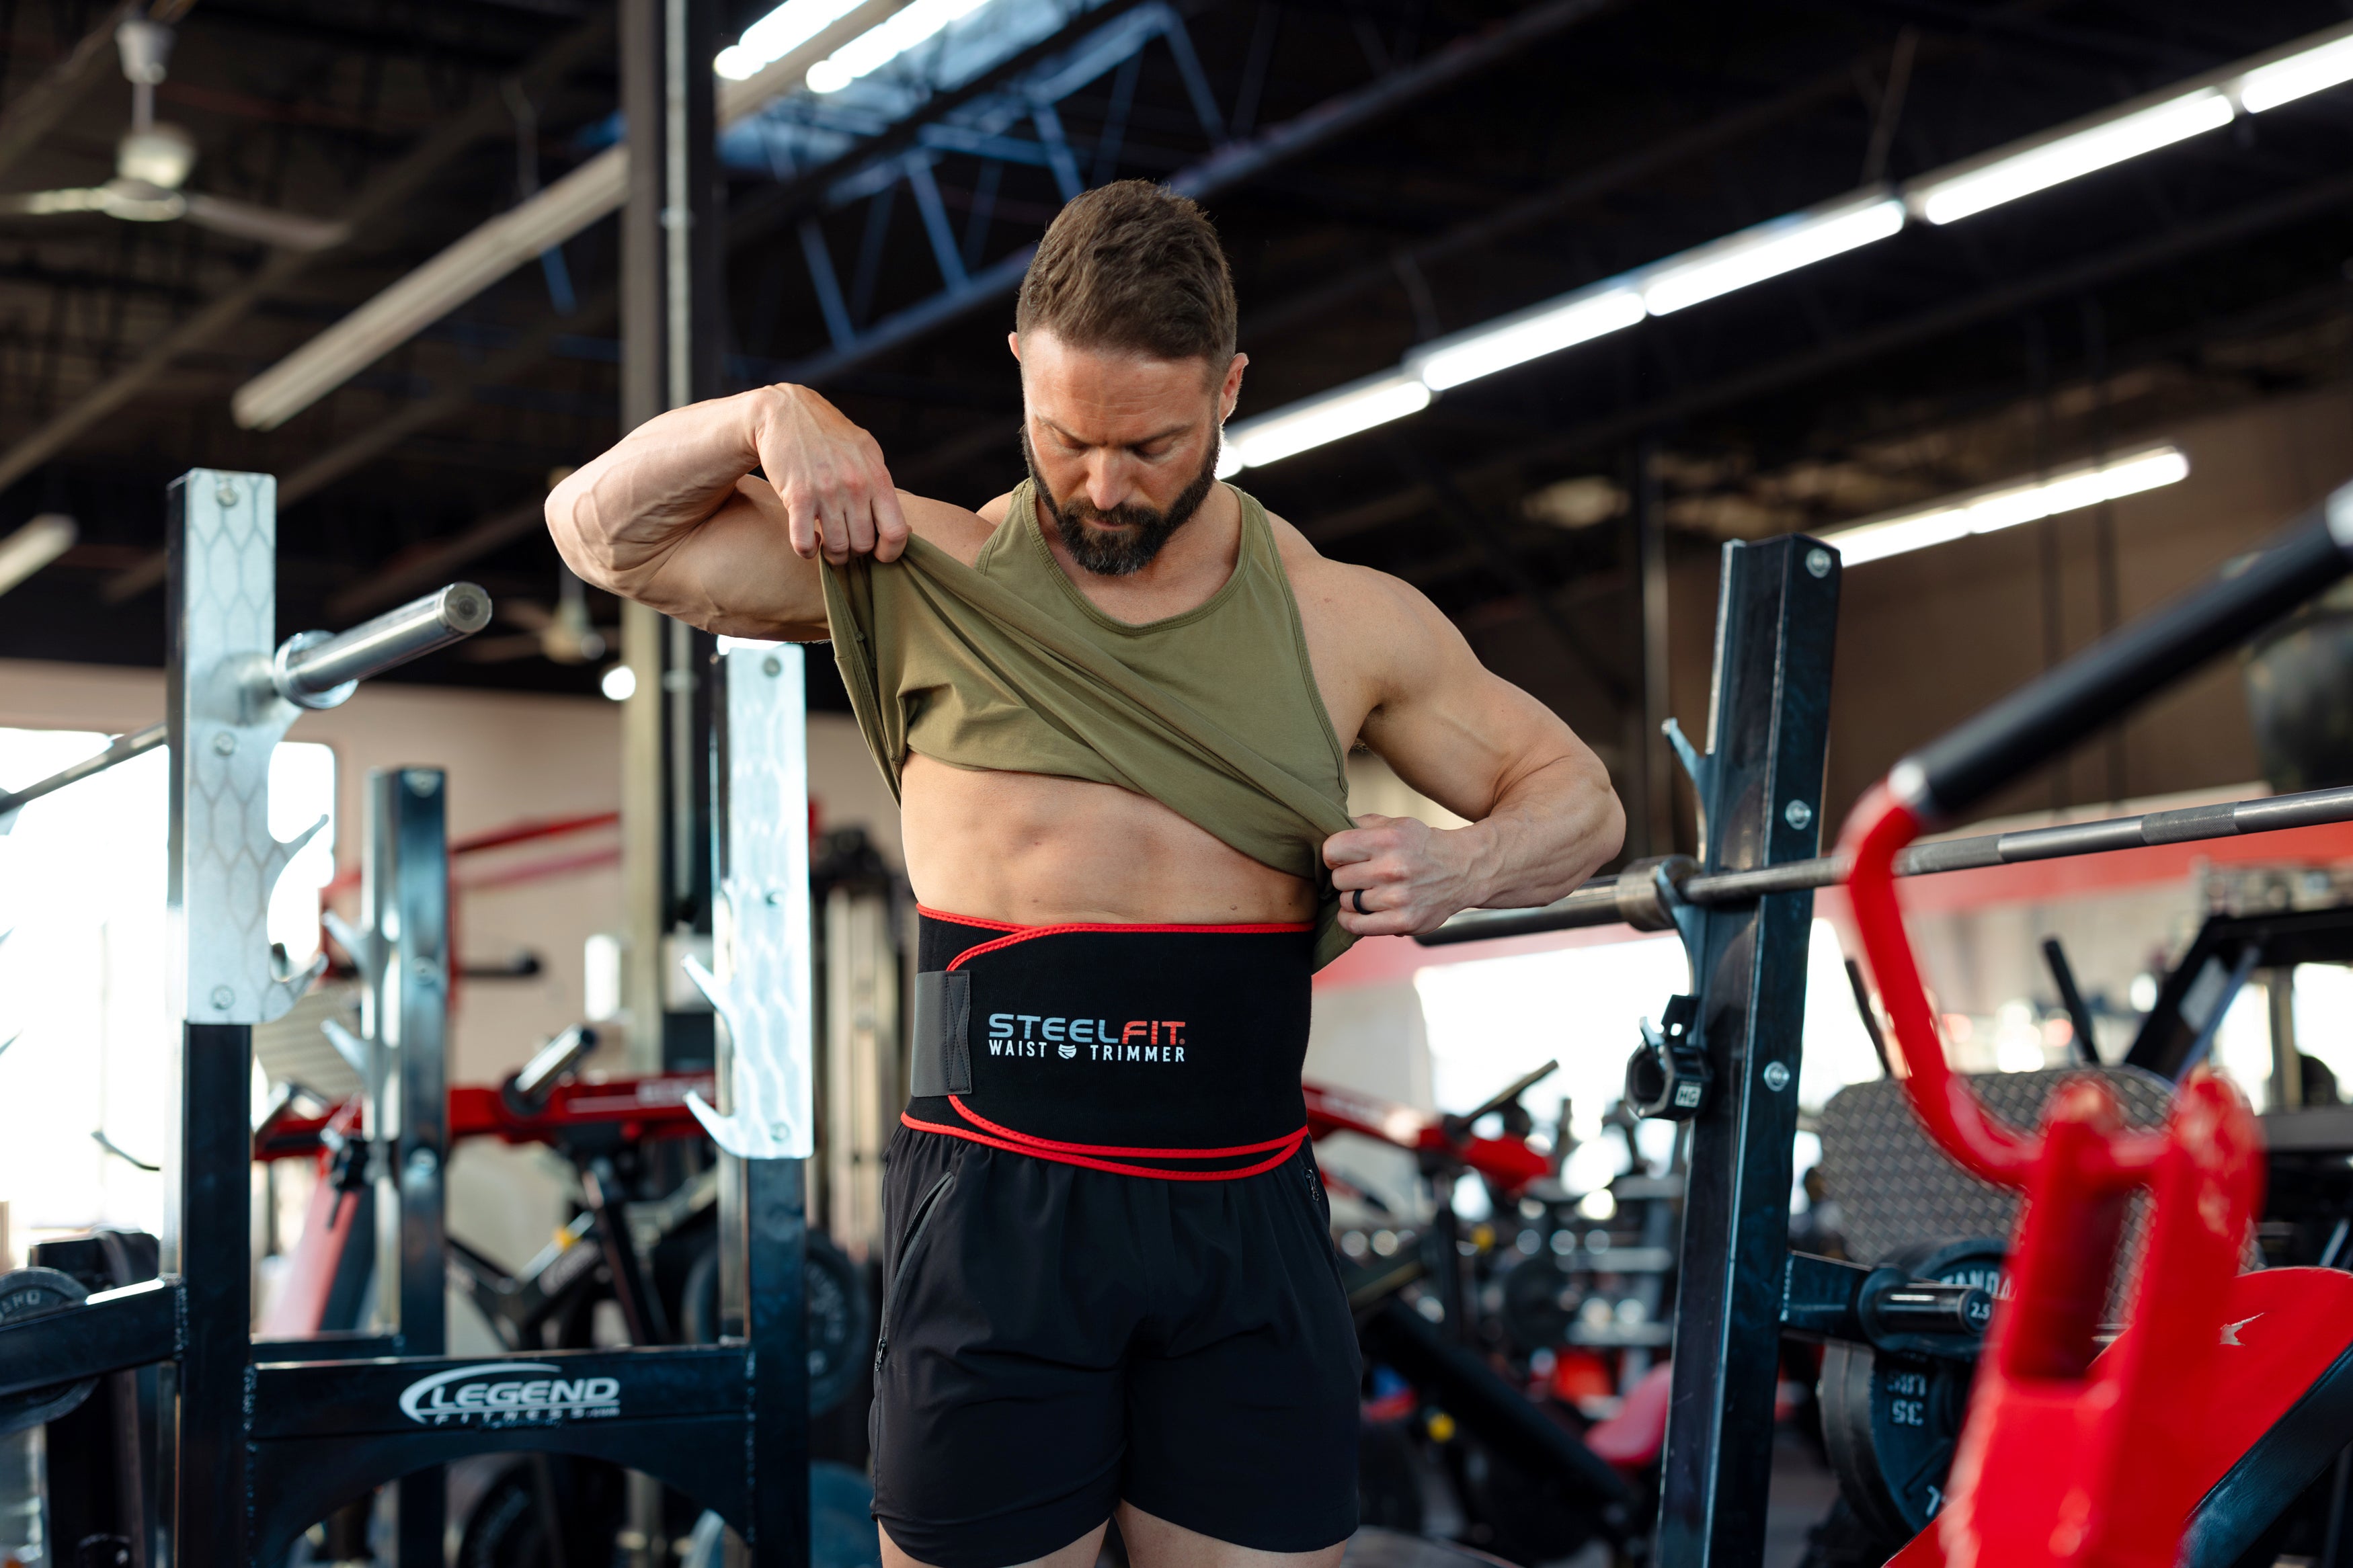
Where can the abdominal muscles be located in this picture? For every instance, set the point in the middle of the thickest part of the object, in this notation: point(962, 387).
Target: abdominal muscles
point(1031, 850)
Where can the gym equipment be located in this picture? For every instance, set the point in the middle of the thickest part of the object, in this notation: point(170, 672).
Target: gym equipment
point(2296, 676)
point(2073, 1454)
point(1528, 1482)
point(264, 1437)
point(29, 1293)
point(1743, 908)
point(1652, 895)
point(1889, 1417)
point(309, 669)
point(99, 1454)
point(585, 1121)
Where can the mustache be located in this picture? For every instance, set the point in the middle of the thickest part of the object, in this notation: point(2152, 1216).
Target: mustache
point(1142, 530)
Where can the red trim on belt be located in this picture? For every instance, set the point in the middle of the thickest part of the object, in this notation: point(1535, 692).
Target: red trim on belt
point(1287, 1147)
point(1247, 928)
point(985, 1125)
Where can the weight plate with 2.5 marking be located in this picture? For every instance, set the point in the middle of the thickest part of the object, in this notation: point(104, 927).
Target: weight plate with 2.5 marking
point(28, 1293)
point(1890, 1419)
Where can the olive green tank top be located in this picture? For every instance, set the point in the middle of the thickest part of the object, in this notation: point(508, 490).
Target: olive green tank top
point(1005, 665)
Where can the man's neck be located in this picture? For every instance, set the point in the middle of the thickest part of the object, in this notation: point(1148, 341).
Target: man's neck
point(1186, 575)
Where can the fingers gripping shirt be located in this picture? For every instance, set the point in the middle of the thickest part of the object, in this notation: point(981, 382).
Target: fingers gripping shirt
point(1005, 665)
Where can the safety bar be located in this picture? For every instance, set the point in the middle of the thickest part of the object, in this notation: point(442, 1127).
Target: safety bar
point(110, 1332)
point(1629, 897)
point(311, 669)
point(125, 747)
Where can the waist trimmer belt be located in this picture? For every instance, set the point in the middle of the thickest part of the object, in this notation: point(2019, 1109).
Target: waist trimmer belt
point(1149, 1051)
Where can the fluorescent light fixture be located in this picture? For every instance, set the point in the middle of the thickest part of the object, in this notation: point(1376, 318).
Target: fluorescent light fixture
point(516, 238)
point(1531, 334)
point(777, 35)
point(2023, 168)
point(1357, 406)
point(2008, 505)
point(871, 51)
point(1768, 250)
point(2298, 75)
point(34, 546)
point(421, 298)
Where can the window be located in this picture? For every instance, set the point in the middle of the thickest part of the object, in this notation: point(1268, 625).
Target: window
point(83, 971)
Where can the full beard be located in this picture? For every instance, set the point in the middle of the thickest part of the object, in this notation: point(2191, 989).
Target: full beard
point(1124, 539)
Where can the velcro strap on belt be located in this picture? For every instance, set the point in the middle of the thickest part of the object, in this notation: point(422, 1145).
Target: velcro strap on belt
point(942, 1052)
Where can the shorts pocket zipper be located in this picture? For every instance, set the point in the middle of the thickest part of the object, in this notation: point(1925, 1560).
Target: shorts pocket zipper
point(923, 1212)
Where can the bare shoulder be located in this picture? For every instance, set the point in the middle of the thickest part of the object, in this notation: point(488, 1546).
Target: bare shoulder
point(1358, 595)
point(1373, 637)
point(956, 529)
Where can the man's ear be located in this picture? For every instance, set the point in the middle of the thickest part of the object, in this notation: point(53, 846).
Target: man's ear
point(1230, 392)
point(1013, 342)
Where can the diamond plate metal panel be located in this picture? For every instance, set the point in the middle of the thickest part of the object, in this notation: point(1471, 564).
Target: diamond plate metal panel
point(764, 989)
point(1894, 1187)
point(225, 720)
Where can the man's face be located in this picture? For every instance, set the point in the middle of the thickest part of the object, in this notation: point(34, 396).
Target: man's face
point(1124, 447)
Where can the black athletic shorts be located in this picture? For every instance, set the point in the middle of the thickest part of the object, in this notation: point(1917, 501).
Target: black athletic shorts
point(1071, 1323)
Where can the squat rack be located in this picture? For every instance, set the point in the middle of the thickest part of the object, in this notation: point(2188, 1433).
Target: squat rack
point(1744, 910)
point(259, 1440)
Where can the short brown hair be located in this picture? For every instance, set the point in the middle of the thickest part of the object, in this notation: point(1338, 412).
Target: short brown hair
point(1132, 266)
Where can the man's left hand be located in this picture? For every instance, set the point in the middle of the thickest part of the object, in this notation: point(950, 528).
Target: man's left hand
point(1398, 876)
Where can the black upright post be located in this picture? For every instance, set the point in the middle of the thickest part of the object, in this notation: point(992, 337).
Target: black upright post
point(777, 1325)
point(1761, 803)
point(407, 895)
point(205, 1414)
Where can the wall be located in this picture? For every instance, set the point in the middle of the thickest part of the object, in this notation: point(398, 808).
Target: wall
point(1928, 638)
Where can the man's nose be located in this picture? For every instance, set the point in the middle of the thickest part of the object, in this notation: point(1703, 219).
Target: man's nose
point(1107, 481)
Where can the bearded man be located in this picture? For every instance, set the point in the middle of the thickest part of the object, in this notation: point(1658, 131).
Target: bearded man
point(1116, 705)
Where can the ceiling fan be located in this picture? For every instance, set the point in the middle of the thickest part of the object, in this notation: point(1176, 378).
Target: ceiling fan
point(152, 162)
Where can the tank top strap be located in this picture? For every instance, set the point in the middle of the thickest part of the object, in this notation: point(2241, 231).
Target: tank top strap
point(1020, 518)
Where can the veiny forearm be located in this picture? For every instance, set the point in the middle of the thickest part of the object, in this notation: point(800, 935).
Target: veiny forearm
point(617, 517)
point(668, 517)
point(1552, 828)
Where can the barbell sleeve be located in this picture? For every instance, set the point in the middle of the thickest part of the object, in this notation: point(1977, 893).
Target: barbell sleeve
point(316, 669)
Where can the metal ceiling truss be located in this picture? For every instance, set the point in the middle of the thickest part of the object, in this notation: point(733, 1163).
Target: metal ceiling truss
point(1009, 118)
point(988, 130)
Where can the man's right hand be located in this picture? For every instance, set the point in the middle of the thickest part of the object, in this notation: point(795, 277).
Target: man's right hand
point(829, 474)
point(675, 518)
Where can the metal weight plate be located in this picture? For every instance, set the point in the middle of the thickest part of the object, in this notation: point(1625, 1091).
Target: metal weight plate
point(1890, 1420)
point(840, 1322)
point(28, 1293)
